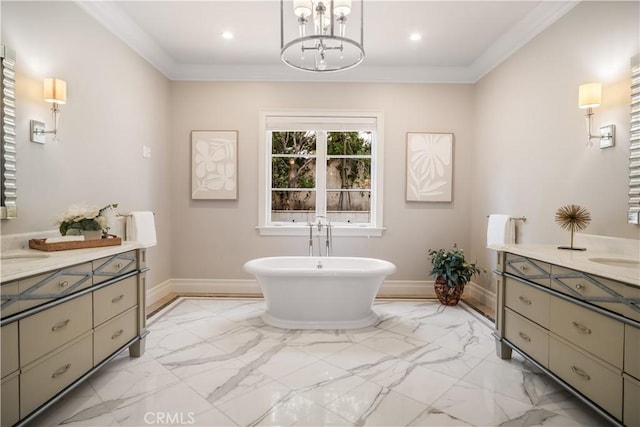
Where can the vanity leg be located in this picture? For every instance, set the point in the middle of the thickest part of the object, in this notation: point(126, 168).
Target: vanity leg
point(137, 348)
point(502, 350)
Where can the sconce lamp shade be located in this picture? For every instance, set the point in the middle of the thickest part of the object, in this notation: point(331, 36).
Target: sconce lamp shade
point(589, 95)
point(55, 90)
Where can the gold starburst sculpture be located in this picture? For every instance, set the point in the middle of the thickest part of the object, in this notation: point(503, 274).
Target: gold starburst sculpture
point(573, 218)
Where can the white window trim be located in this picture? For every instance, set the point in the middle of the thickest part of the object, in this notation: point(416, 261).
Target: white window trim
point(264, 164)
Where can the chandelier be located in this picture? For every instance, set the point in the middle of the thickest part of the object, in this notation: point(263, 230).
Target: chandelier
point(322, 42)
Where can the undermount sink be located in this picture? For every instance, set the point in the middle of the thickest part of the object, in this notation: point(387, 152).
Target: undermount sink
point(22, 257)
point(618, 262)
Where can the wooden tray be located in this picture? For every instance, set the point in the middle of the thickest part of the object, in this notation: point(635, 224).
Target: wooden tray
point(42, 245)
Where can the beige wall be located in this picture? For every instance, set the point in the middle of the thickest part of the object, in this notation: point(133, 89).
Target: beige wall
point(116, 103)
point(212, 239)
point(530, 156)
point(519, 142)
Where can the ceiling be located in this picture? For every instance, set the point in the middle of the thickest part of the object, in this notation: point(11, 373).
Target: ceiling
point(461, 40)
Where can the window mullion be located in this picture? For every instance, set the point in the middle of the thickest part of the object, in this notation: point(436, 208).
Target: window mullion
point(321, 173)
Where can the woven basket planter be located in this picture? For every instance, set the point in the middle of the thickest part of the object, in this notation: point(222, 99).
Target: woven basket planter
point(447, 295)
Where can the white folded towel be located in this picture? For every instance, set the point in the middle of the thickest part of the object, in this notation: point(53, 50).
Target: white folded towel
point(501, 230)
point(61, 239)
point(141, 227)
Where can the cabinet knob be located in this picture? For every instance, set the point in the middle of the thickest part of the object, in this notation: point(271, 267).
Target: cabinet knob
point(60, 325)
point(579, 286)
point(523, 268)
point(581, 328)
point(524, 336)
point(119, 265)
point(580, 372)
point(524, 300)
point(63, 284)
point(61, 371)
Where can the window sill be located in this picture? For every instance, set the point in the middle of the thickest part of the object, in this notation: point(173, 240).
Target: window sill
point(336, 230)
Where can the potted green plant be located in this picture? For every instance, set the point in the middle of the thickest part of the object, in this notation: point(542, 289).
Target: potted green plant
point(452, 273)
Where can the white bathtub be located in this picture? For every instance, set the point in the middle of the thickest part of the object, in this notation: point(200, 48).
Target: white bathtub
point(319, 292)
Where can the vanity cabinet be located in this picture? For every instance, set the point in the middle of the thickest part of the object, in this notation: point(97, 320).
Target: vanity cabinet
point(60, 326)
point(581, 329)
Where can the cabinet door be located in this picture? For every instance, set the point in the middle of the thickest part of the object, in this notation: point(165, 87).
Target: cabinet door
point(527, 336)
point(9, 349)
point(530, 269)
point(597, 381)
point(9, 298)
point(114, 299)
point(49, 329)
point(598, 334)
point(115, 333)
point(606, 293)
point(10, 400)
point(42, 288)
point(113, 266)
point(527, 301)
point(632, 351)
point(41, 381)
point(631, 402)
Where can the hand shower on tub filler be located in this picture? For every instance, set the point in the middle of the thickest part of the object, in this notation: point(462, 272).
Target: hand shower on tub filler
point(328, 236)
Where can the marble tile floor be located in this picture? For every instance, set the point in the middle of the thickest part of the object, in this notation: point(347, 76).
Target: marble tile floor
point(213, 362)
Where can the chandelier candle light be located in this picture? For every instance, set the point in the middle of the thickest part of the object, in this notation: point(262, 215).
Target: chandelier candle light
point(322, 43)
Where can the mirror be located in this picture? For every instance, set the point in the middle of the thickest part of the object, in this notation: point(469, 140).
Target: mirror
point(8, 208)
point(634, 143)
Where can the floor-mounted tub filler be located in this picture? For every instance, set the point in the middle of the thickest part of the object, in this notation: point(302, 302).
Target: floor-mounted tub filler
point(319, 292)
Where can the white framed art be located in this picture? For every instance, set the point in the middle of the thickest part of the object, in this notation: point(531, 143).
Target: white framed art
point(429, 168)
point(214, 164)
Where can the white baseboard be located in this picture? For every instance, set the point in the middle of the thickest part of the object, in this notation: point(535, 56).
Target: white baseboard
point(158, 292)
point(390, 288)
point(480, 294)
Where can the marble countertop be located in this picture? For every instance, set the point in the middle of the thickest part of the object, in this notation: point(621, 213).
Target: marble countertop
point(19, 263)
point(581, 260)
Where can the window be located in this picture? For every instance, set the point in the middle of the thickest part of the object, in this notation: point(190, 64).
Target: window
point(321, 164)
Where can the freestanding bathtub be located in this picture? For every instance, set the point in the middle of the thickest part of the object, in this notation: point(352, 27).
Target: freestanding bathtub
point(319, 292)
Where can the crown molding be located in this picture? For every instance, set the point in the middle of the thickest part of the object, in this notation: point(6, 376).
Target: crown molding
point(122, 26)
point(538, 20)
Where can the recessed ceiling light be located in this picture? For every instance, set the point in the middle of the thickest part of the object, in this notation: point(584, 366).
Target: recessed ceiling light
point(227, 35)
point(415, 37)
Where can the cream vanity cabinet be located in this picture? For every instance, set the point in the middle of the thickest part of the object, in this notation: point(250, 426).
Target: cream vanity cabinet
point(581, 329)
point(60, 326)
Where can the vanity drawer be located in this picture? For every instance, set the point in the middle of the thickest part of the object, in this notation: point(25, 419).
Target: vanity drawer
point(9, 302)
point(44, 331)
point(114, 299)
point(114, 334)
point(10, 400)
point(42, 288)
point(600, 382)
point(588, 287)
point(41, 381)
point(112, 266)
point(527, 336)
point(594, 332)
point(9, 349)
point(533, 270)
point(631, 416)
point(527, 301)
point(632, 351)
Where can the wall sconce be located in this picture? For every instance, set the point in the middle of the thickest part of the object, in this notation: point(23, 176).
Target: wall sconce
point(55, 91)
point(589, 97)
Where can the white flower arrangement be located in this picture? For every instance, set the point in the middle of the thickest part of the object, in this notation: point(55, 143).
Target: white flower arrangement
point(83, 217)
